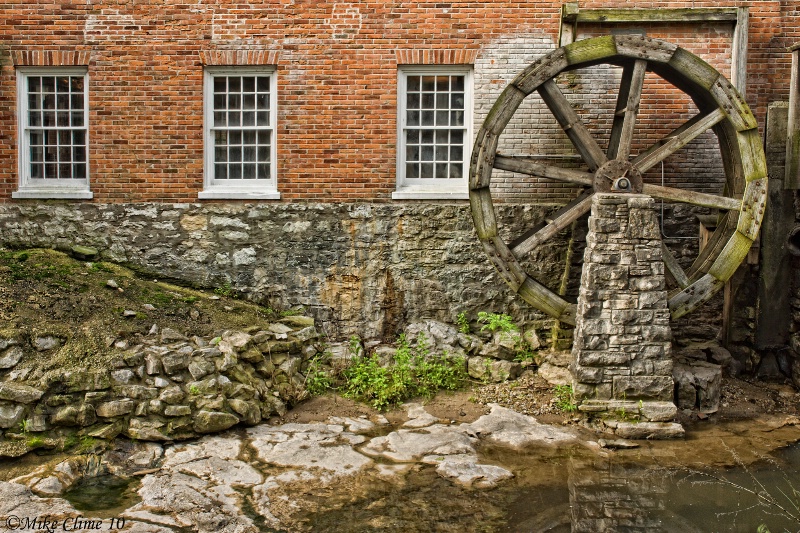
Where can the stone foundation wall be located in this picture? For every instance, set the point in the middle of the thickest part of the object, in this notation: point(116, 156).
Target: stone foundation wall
point(159, 387)
point(366, 269)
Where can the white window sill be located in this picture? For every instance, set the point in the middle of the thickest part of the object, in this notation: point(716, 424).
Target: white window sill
point(52, 194)
point(427, 194)
point(238, 195)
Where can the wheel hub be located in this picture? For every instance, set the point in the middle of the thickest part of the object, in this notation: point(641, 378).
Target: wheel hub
point(618, 176)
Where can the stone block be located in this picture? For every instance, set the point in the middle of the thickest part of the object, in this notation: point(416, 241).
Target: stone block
point(644, 387)
point(602, 358)
point(115, 408)
point(213, 421)
point(175, 362)
point(11, 357)
point(16, 392)
point(699, 385)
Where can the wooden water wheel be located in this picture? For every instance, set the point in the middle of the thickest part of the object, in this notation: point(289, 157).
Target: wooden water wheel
point(721, 109)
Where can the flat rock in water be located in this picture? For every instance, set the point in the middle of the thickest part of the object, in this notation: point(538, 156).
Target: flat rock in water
point(504, 426)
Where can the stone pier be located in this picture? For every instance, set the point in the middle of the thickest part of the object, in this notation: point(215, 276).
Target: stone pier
point(622, 366)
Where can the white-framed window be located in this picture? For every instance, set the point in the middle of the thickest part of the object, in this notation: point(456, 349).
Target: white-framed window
point(240, 111)
point(434, 132)
point(53, 136)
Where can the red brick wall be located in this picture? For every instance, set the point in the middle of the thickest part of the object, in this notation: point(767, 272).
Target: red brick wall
point(337, 71)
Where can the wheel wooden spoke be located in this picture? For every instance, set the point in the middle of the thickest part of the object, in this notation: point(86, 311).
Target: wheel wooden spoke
point(692, 197)
point(525, 165)
point(674, 268)
point(630, 94)
point(560, 220)
point(571, 123)
point(677, 139)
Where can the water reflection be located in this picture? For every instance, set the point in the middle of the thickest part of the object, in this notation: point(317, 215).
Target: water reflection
point(624, 491)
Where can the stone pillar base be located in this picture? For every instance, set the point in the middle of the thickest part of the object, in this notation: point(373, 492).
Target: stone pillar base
point(622, 364)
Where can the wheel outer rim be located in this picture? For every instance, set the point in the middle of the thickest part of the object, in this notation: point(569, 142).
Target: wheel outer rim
point(708, 88)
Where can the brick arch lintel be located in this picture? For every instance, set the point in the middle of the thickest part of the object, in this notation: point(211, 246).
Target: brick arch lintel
point(436, 57)
point(239, 57)
point(50, 58)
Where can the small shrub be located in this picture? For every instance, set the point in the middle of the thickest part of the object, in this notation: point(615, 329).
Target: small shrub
point(462, 322)
point(496, 322)
point(35, 442)
point(317, 381)
point(564, 398)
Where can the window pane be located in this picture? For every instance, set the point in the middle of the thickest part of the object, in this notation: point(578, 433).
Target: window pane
point(76, 101)
point(34, 102)
point(263, 84)
point(457, 137)
point(77, 119)
point(263, 154)
point(249, 171)
point(248, 118)
point(49, 101)
point(443, 83)
point(262, 118)
point(79, 138)
point(264, 137)
point(427, 136)
point(35, 118)
point(63, 118)
point(412, 118)
point(412, 153)
point(220, 119)
point(427, 153)
point(457, 101)
point(414, 83)
point(34, 84)
point(456, 153)
point(65, 171)
point(442, 101)
point(249, 154)
point(220, 172)
point(235, 172)
point(79, 154)
point(412, 136)
point(36, 138)
point(249, 102)
point(62, 84)
point(48, 84)
point(457, 83)
point(456, 171)
point(262, 101)
point(426, 171)
point(428, 100)
point(50, 171)
point(219, 101)
point(37, 171)
point(412, 101)
point(220, 154)
point(441, 171)
point(249, 137)
point(64, 137)
point(64, 154)
point(264, 171)
point(428, 83)
point(249, 84)
point(234, 101)
point(62, 101)
point(79, 171)
point(234, 84)
point(234, 119)
point(427, 118)
point(456, 118)
point(235, 137)
point(220, 84)
point(441, 153)
point(412, 171)
point(442, 118)
point(235, 153)
point(37, 154)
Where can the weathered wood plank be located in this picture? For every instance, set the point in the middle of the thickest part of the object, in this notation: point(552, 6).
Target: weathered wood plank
point(504, 261)
point(731, 257)
point(694, 14)
point(480, 201)
point(716, 243)
point(541, 70)
point(694, 68)
point(482, 160)
point(566, 116)
point(741, 32)
point(648, 49)
point(542, 298)
point(561, 220)
point(674, 268)
point(676, 140)
point(691, 197)
point(792, 172)
point(567, 31)
point(754, 162)
point(630, 93)
point(503, 109)
point(754, 203)
point(532, 167)
point(568, 315)
point(693, 295)
point(729, 99)
point(589, 50)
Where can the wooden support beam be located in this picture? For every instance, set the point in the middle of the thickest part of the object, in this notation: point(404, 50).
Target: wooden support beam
point(626, 15)
point(531, 167)
point(561, 220)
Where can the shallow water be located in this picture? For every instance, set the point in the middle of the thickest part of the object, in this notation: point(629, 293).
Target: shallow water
point(575, 490)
